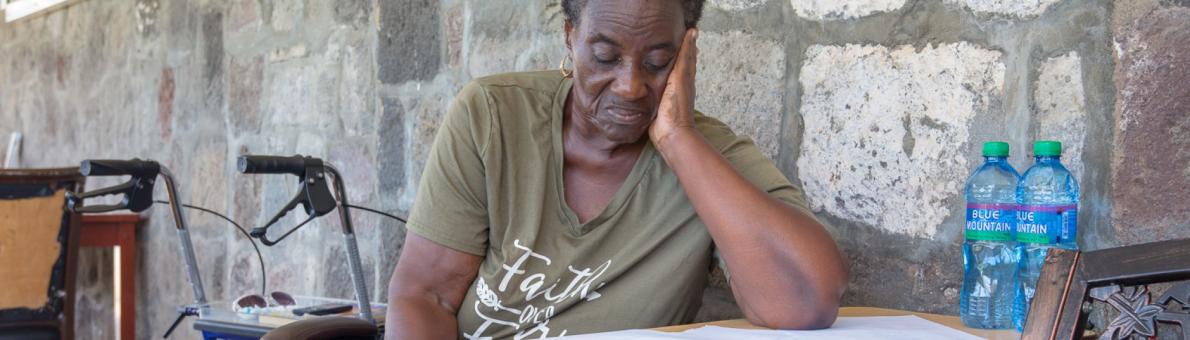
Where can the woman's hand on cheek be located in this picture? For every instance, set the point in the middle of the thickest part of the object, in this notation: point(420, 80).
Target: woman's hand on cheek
point(676, 110)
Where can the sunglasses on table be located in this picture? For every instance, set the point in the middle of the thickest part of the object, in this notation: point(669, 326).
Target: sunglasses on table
point(255, 301)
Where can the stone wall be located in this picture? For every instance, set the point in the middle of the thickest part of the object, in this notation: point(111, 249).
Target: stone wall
point(877, 107)
point(1151, 149)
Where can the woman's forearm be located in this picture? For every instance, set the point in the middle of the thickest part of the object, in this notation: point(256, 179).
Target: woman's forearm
point(427, 289)
point(786, 270)
point(419, 318)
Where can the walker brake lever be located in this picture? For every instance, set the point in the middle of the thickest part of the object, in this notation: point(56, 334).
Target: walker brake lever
point(260, 231)
point(314, 195)
point(137, 191)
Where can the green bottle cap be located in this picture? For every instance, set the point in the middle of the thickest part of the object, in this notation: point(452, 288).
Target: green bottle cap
point(1047, 148)
point(995, 149)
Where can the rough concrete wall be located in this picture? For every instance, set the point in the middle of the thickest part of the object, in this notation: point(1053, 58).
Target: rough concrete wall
point(877, 107)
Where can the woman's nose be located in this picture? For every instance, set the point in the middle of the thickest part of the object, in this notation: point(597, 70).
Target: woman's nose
point(629, 83)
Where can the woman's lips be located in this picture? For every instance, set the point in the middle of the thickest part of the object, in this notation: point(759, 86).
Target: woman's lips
point(627, 116)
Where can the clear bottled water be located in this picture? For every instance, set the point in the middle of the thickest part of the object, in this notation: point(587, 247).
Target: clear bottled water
point(989, 257)
point(1047, 198)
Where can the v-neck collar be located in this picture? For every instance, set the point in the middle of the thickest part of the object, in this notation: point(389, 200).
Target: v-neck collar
point(618, 201)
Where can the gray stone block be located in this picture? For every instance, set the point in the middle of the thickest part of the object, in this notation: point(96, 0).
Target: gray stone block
point(243, 15)
point(740, 81)
point(1026, 9)
point(212, 38)
point(736, 5)
point(842, 10)
point(408, 41)
point(285, 15)
point(885, 130)
point(353, 12)
point(1151, 179)
point(349, 54)
point(355, 161)
point(245, 86)
point(335, 273)
point(496, 55)
point(391, 157)
point(1061, 109)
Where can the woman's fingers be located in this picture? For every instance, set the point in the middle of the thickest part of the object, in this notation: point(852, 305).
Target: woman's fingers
point(676, 109)
point(687, 57)
point(690, 48)
point(692, 64)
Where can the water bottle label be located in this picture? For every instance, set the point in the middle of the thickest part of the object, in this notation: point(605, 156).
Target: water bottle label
point(1046, 224)
point(989, 222)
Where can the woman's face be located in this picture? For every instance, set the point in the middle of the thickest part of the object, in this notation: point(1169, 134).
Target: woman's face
point(623, 51)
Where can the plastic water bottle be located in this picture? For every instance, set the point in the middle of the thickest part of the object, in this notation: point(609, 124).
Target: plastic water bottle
point(989, 257)
point(1047, 198)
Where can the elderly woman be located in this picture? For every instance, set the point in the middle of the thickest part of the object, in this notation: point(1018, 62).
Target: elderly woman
point(576, 201)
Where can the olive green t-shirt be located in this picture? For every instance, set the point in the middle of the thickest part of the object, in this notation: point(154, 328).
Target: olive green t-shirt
point(492, 187)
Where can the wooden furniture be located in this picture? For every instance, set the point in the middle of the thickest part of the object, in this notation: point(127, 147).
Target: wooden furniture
point(117, 231)
point(38, 253)
point(1116, 281)
point(945, 320)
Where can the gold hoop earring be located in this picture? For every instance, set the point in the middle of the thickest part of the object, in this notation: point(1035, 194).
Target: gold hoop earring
point(562, 67)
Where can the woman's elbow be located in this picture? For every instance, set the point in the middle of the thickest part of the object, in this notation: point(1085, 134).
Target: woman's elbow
point(817, 317)
point(812, 305)
point(815, 310)
point(820, 306)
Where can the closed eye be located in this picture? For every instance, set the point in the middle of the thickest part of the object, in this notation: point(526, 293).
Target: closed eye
point(653, 66)
point(606, 58)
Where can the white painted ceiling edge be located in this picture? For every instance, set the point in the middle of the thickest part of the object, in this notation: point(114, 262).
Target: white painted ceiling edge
point(18, 9)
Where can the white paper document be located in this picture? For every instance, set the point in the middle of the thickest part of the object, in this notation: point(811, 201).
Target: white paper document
point(872, 327)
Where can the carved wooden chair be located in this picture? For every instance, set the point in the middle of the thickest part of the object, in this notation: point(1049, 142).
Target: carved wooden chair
point(38, 251)
point(1107, 294)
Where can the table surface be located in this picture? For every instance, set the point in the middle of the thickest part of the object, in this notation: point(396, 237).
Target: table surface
point(227, 322)
point(219, 318)
point(945, 320)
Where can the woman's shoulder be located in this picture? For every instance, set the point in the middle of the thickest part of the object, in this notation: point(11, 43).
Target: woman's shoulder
point(711, 126)
point(539, 82)
point(512, 92)
point(512, 100)
point(716, 132)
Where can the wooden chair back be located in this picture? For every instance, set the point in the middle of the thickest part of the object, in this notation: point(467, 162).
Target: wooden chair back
point(1117, 285)
point(38, 252)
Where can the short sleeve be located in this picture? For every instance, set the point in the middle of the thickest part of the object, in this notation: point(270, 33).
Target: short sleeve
point(746, 157)
point(451, 205)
